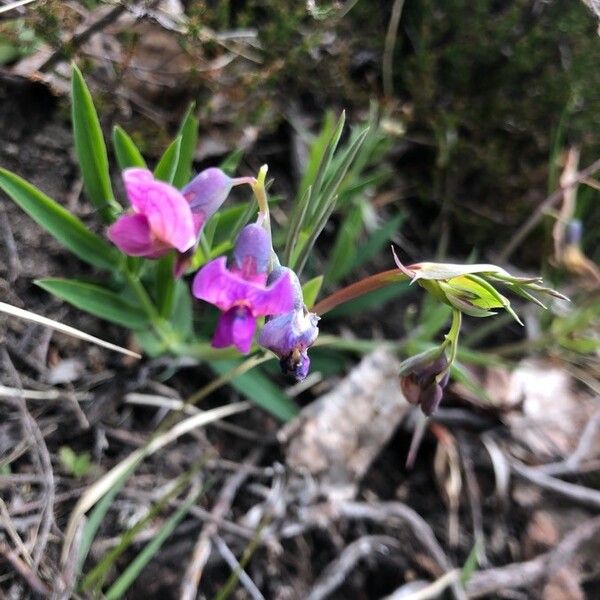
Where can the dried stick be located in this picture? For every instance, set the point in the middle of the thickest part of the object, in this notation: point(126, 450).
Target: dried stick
point(336, 571)
point(202, 549)
point(28, 575)
point(389, 511)
point(79, 39)
point(577, 493)
point(529, 573)
point(234, 565)
point(43, 461)
point(548, 203)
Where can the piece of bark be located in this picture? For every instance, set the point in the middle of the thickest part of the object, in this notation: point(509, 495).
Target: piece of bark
point(336, 438)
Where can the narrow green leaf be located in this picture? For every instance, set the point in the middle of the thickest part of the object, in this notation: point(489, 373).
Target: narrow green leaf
point(126, 151)
point(258, 388)
point(377, 241)
point(295, 225)
point(311, 289)
point(167, 165)
point(60, 223)
point(470, 565)
point(189, 140)
point(121, 585)
point(345, 247)
point(91, 149)
point(96, 300)
point(97, 515)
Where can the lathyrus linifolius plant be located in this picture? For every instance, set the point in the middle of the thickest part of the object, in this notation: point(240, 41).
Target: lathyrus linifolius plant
point(171, 224)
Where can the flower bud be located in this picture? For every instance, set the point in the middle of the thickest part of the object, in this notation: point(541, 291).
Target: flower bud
point(290, 335)
point(424, 381)
point(207, 191)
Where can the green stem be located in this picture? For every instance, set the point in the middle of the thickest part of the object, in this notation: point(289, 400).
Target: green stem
point(452, 335)
point(160, 326)
point(260, 193)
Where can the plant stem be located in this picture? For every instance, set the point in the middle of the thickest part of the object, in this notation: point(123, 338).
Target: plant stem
point(159, 325)
point(360, 288)
point(264, 216)
point(452, 335)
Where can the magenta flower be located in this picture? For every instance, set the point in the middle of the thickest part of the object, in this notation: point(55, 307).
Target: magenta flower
point(290, 335)
point(240, 291)
point(205, 195)
point(160, 219)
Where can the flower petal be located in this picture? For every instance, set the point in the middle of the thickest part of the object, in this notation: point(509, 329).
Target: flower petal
point(293, 330)
point(168, 212)
point(207, 191)
point(252, 252)
point(214, 283)
point(235, 327)
point(132, 235)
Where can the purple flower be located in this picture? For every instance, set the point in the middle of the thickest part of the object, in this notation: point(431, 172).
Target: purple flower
point(205, 195)
point(160, 218)
point(290, 335)
point(420, 385)
point(240, 291)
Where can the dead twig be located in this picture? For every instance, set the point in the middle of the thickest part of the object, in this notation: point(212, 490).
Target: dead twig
point(577, 493)
point(539, 212)
point(584, 446)
point(428, 592)
point(336, 572)
point(234, 565)
point(41, 458)
point(26, 572)
point(202, 549)
point(386, 513)
point(80, 38)
point(531, 572)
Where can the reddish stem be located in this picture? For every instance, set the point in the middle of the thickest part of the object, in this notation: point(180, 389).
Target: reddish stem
point(360, 288)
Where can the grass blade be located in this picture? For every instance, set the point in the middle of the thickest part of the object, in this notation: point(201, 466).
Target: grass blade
point(66, 329)
point(121, 585)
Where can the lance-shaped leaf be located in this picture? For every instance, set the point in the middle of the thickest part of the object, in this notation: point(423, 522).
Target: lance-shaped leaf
point(96, 300)
point(167, 165)
point(60, 223)
point(189, 139)
point(127, 153)
point(91, 149)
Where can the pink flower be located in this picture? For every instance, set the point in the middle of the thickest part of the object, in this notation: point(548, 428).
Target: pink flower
point(160, 219)
point(205, 195)
point(240, 291)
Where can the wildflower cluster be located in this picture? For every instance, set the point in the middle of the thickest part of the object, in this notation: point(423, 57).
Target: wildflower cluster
point(175, 224)
point(163, 219)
